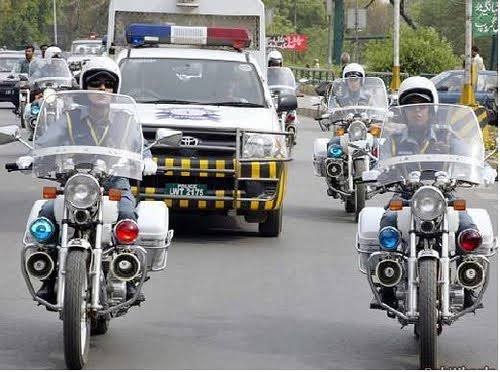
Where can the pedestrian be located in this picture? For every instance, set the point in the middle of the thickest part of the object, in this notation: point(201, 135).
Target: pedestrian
point(316, 63)
point(29, 54)
point(345, 59)
point(477, 59)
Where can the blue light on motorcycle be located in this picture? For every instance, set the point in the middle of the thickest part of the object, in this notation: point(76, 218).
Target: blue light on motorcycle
point(42, 229)
point(335, 151)
point(35, 110)
point(389, 238)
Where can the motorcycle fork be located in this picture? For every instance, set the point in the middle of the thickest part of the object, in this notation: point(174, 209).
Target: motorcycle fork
point(63, 252)
point(349, 170)
point(444, 270)
point(412, 272)
point(96, 263)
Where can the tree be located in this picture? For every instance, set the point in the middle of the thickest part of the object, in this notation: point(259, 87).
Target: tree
point(421, 51)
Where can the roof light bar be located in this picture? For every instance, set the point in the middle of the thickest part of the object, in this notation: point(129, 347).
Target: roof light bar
point(139, 34)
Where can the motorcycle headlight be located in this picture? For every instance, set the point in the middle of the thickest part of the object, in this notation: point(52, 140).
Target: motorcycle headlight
point(82, 191)
point(261, 146)
point(49, 92)
point(357, 131)
point(428, 203)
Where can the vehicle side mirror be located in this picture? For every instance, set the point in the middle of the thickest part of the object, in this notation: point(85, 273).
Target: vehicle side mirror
point(8, 134)
point(10, 76)
point(287, 103)
point(168, 137)
point(23, 77)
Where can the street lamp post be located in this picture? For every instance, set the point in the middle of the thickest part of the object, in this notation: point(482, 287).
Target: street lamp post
point(467, 97)
point(396, 80)
point(55, 22)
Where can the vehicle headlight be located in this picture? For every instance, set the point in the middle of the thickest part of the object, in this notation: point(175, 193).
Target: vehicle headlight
point(82, 191)
point(260, 146)
point(357, 131)
point(428, 203)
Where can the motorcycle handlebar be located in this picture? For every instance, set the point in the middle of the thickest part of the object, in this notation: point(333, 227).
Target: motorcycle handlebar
point(11, 167)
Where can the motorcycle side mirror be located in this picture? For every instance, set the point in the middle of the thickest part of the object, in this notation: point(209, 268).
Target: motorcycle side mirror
point(167, 137)
point(287, 103)
point(370, 176)
point(10, 76)
point(23, 77)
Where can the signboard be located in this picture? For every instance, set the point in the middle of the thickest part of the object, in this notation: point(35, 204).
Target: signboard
point(484, 17)
point(296, 42)
point(351, 18)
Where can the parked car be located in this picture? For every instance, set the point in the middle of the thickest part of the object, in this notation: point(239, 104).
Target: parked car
point(8, 61)
point(449, 85)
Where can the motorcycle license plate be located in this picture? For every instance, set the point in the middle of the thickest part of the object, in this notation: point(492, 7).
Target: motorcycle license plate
point(9, 92)
point(185, 189)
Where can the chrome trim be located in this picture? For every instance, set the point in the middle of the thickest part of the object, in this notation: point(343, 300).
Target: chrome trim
point(444, 269)
point(96, 263)
point(63, 252)
point(412, 279)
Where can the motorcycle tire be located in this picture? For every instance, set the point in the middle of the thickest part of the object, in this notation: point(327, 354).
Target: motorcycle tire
point(427, 323)
point(273, 224)
point(350, 205)
point(22, 107)
point(76, 323)
point(360, 189)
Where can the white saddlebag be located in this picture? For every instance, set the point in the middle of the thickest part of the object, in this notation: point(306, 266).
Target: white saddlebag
point(154, 235)
point(319, 156)
point(367, 237)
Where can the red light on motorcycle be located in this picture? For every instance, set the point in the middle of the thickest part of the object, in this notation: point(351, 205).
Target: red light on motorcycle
point(126, 231)
point(49, 192)
point(459, 205)
point(340, 132)
point(469, 240)
point(375, 130)
point(290, 118)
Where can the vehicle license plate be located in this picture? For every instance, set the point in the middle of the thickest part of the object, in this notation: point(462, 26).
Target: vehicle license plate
point(183, 189)
point(9, 92)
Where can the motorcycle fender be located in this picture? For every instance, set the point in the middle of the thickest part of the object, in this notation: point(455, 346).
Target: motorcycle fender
point(426, 253)
point(320, 148)
point(79, 244)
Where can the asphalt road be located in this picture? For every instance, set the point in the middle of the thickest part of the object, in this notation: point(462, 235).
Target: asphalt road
point(232, 300)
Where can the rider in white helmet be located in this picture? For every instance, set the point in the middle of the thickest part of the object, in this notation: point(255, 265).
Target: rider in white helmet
point(354, 78)
point(53, 52)
point(99, 74)
point(275, 59)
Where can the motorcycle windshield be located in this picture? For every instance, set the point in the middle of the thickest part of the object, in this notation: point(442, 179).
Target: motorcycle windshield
point(431, 138)
point(281, 78)
point(51, 68)
point(355, 91)
point(89, 130)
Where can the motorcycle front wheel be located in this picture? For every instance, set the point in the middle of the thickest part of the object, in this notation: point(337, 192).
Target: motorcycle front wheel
point(427, 323)
point(76, 322)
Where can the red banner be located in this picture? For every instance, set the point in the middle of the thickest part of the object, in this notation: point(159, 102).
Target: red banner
point(296, 42)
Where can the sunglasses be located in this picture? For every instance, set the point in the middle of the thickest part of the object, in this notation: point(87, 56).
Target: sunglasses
point(353, 75)
point(96, 84)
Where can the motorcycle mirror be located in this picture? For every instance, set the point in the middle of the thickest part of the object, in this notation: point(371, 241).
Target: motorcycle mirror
point(287, 102)
point(23, 77)
point(370, 176)
point(8, 134)
point(168, 137)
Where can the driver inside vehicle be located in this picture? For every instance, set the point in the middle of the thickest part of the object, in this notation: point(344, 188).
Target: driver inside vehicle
point(89, 123)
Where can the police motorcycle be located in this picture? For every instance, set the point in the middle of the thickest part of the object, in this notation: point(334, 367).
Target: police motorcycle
point(93, 258)
point(281, 81)
point(356, 125)
point(51, 74)
point(427, 255)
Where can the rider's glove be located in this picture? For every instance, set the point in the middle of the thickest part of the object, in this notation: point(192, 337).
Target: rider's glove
point(489, 175)
point(150, 167)
point(24, 162)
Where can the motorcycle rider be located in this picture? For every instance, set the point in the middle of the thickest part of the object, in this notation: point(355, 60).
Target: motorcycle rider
point(275, 59)
point(23, 67)
point(100, 74)
point(353, 94)
point(53, 52)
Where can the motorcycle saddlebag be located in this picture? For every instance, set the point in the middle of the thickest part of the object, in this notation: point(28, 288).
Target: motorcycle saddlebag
point(319, 156)
point(367, 237)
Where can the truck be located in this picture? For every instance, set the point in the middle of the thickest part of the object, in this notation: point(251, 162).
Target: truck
point(199, 67)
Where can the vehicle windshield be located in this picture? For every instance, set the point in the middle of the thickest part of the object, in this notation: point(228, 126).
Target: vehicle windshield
point(280, 76)
point(88, 130)
point(192, 81)
point(452, 81)
point(430, 138)
point(85, 48)
point(355, 91)
point(53, 68)
point(7, 64)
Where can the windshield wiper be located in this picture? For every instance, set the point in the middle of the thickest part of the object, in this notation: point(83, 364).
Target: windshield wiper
point(234, 103)
point(171, 101)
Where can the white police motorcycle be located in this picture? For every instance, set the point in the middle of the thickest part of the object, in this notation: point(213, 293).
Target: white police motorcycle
point(425, 270)
point(92, 257)
point(356, 122)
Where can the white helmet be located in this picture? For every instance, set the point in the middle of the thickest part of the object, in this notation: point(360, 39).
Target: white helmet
point(53, 52)
point(418, 86)
point(101, 67)
point(352, 70)
point(274, 59)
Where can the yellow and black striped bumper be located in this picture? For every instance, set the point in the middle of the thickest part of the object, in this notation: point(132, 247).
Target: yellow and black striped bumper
point(187, 170)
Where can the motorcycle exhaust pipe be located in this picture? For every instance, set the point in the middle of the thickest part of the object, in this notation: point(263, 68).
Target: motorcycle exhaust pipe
point(470, 274)
point(125, 266)
point(333, 168)
point(40, 265)
point(389, 272)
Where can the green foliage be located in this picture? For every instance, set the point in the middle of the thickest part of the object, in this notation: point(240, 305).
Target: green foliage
point(421, 51)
